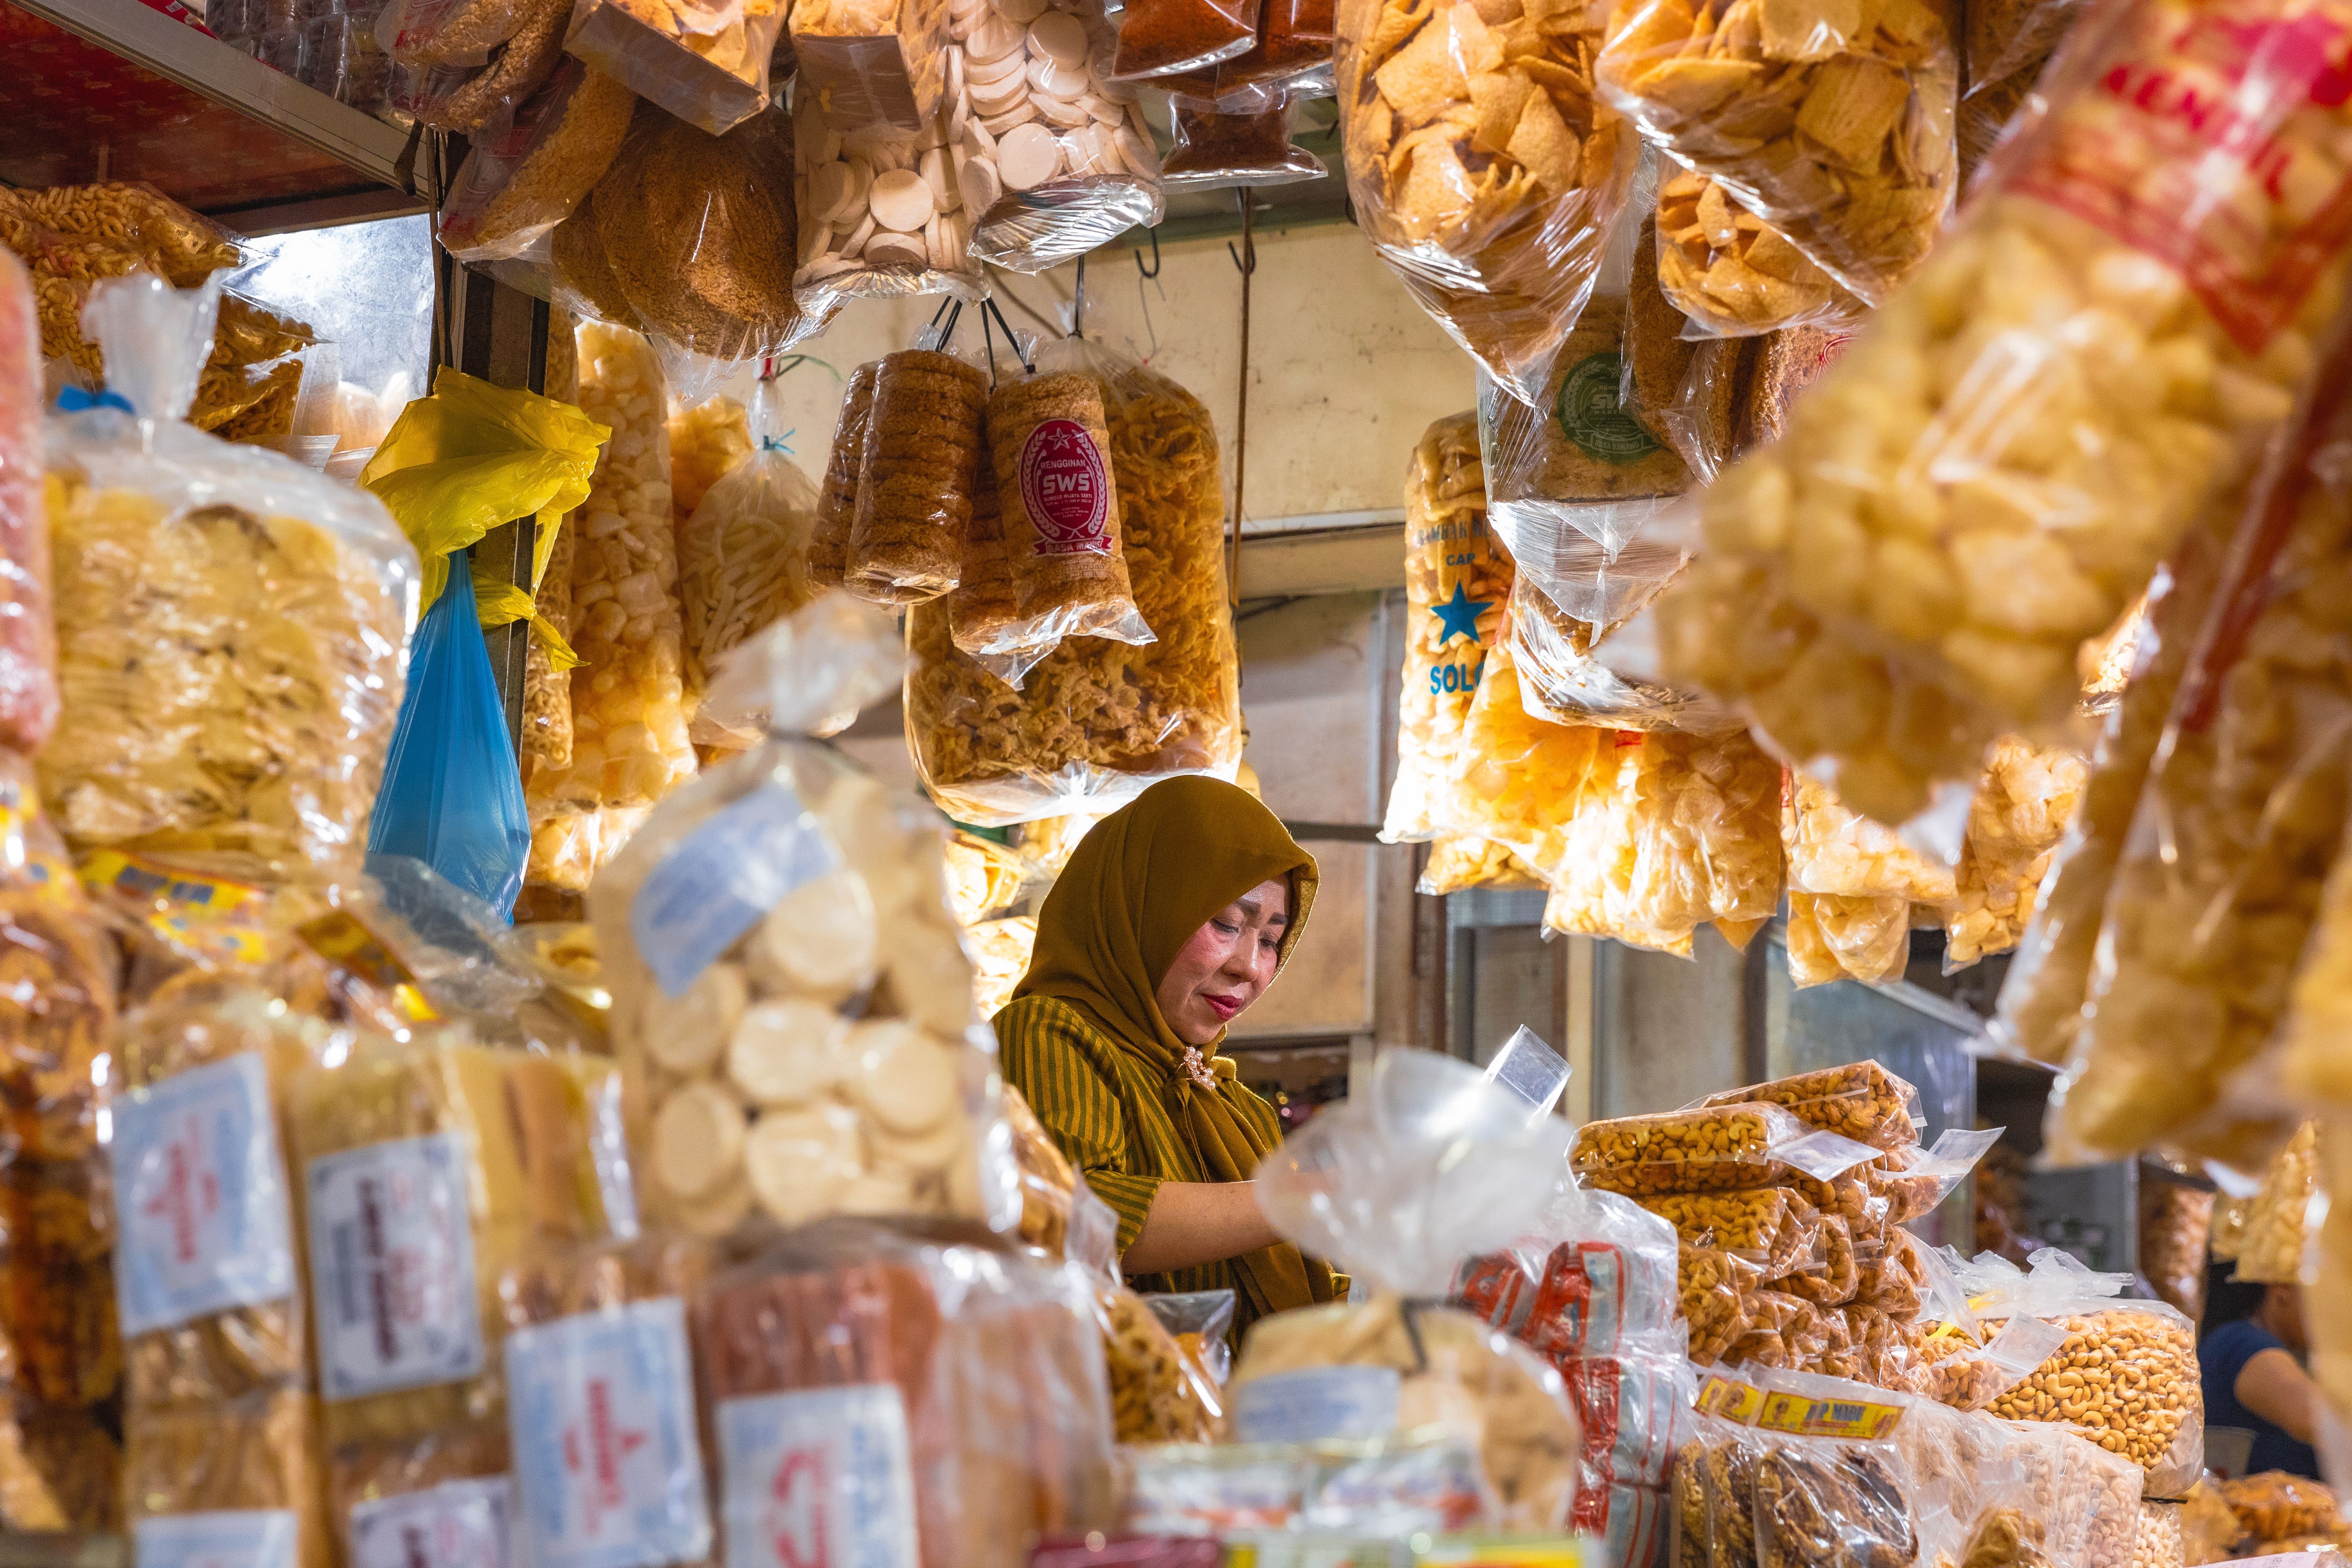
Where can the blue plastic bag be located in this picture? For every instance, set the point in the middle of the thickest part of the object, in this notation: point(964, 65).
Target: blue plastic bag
point(452, 795)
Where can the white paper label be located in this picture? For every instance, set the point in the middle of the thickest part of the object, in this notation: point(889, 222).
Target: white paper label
point(608, 1470)
point(1315, 1402)
point(718, 881)
point(818, 1477)
point(240, 1538)
point(391, 1266)
point(457, 1524)
point(199, 1197)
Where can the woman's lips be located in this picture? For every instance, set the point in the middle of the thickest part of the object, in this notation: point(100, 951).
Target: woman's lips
point(1224, 1006)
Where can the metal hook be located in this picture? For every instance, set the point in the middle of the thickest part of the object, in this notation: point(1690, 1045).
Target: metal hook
point(1079, 302)
point(1244, 259)
point(1006, 328)
point(1155, 255)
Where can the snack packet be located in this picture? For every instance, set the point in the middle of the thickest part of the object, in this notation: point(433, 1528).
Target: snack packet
point(1733, 275)
point(527, 171)
point(706, 63)
point(1242, 139)
point(1710, 1149)
point(917, 477)
point(881, 214)
point(2022, 806)
point(1163, 38)
point(878, 62)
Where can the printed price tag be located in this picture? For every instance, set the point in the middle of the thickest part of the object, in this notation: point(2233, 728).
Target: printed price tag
point(1803, 1418)
point(199, 1197)
point(719, 879)
point(1317, 1402)
point(819, 1478)
point(235, 1538)
point(391, 1266)
point(608, 1470)
point(457, 1524)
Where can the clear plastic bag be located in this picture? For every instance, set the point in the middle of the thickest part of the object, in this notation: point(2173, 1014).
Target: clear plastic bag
point(1484, 171)
point(1096, 720)
point(1860, 1100)
point(2174, 1223)
point(1058, 510)
point(707, 64)
point(2276, 1505)
point(708, 440)
point(2004, 44)
point(1239, 140)
point(1158, 1393)
point(1426, 1165)
point(876, 62)
point(1458, 862)
point(2279, 1221)
point(881, 213)
point(488, 56)
point(1595, 1277)
point(1833, 1488)
point(547, 689)
point(527, 171)
point(629, 744)
point(193, 577)
point(28, 645)
point(1833, 850)
point(791, 999)
point(1772, 1228)
point(917, 477)
point(1070, 164)
point(836, 506)
point(1834, 936)
point(1687, 391)
point(1732, 274)
point(1164, 38)
point(2022, 806)
point(743, 556)
point(1714, 1149)
point(969, 1382)
point(1886, 647)
point(1457, 580)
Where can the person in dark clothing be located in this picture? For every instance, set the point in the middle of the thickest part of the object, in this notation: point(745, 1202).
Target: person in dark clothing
point(2251, 1369)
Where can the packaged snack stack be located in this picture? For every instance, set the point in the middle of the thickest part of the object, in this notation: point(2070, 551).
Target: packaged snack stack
point(1428, 1163)
point(1883, 646)
point(836, 506)
point(916, 480)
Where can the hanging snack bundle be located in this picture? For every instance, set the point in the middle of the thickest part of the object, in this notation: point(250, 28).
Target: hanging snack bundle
point(1485, 169)
point(1458, 579)
point(1239, 140)
point(469, 61)
point(231, 624)
point(1053, 157)
point(836, 504)
point(742, 554)
point(706, 63)
point(2218, 883)
point(2023, 803)
point(917, 477)
point(1166, 38)
point(526, 173)
point(1908, 573)
point(708, 440)
point(1833, 850)
point(1541, 789)
point(1733, 274)
point(1098, 720)
point(1429, 1163)
point(884, 204)
point(2279, 1220)
point(1702, 840)
point(790, 1001)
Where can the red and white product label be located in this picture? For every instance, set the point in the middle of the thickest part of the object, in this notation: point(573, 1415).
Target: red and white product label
point(1065, 489)
point(819, 1478)
point(391, 1266)
point(2197, 144)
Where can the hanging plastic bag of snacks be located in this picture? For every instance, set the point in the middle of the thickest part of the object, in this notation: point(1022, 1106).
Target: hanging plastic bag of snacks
point(1422, 1192)
point(792, 1004)
point(1052, 158)
point(1833, 936)
point(2023, 803)
point(28, 644)
point(1457, 580)
point(836, 504)
point(485, 57)
point(1734, 275)
point(1523, 782)
point(876, 62)
point(527, 171)
point(706, 63)
point(1697, 838)
point(742, 556)
point(1484, 171)
point(1096, 720)
point(2279, 1219)
point(917, 477)
point(1166, 38)
point(881, 213)
point(1833, 850)
point(547, 688)
point(2004, 44)
point(1240, 140)
point(2219, 882)
point(2021, 494)
point(706, 441)
point(193, 577)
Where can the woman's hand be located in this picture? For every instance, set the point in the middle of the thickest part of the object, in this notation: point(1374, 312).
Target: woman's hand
point(1192, 1222)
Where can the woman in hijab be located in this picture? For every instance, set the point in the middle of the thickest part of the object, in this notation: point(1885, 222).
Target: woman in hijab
point(1174, 914)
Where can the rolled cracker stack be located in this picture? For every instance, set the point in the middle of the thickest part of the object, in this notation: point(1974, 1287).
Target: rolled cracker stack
point(837, 503)
point(921, 463)
point(1060, 513)
point(986, 600)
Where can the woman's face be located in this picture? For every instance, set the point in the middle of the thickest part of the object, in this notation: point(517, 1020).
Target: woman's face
point(1227, 965)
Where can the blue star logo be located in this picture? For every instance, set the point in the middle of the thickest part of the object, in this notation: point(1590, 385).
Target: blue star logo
point(1459, 614)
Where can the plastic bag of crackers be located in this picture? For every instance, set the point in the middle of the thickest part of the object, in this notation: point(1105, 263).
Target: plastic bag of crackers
point(2022, 806)
point(706, 63)
point(790, 1001)
point(1733, 275)
point(2088, 366)
point(232, 624)
point(1484, 166)
point(1428, 1165)
point(530, 170)
point(883, 202)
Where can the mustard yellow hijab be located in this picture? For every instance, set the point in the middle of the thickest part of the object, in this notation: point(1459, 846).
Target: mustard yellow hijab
point(1140, 883)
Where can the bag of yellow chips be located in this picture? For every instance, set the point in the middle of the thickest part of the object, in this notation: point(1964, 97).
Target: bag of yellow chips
point(1733, 274)
point(232, 624)
point(2021, 806)
point(1483, 167)
point(2090, 365)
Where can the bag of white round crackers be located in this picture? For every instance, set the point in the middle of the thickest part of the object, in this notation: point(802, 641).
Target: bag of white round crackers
point(792, 1004)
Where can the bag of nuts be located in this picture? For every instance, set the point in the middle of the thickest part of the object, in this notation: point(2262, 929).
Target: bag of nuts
point(1773, 1227)
point(1860, 1100)
point(1714, 1149)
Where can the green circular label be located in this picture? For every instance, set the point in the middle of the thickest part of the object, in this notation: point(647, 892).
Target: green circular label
point(1591, 415)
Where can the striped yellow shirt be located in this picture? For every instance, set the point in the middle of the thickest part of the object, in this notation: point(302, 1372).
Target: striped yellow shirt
point(1105, 1108)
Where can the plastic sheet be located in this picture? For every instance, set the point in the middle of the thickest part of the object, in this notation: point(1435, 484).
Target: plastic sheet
point(1484, 171)
point(529, 169)
point(1241, 140)
point(973, 1375)
point(169, 542)
point(1098, 720)
point(1886, 649)
point(1457, 580)
point(629, 744)
point(801, 1041)
point(1734, 275)
point(743, 556)
point(706, 63)
point(1086, 170)
point(880, 213)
